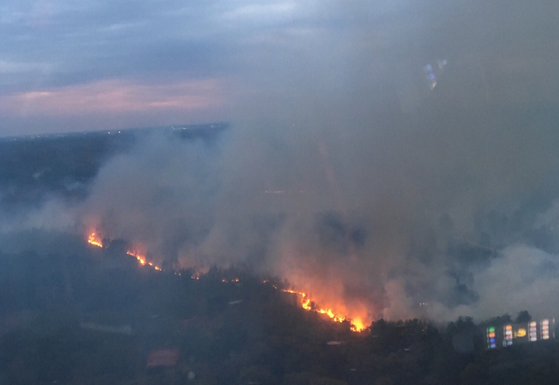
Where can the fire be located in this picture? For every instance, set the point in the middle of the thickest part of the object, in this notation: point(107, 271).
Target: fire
point(94, 240)
point(357, 324)
point(233, 280)
point(142, 260)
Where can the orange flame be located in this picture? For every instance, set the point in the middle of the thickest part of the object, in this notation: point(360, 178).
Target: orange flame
point(232, 280)
point(94, 240)
point(142, 260)
point(357, 324)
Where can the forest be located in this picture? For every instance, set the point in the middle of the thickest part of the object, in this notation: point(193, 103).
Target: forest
point(94, 316)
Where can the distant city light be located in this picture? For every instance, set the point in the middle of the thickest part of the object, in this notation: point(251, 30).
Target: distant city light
point(533, 331)
point(520, 333)
point(491, 338)
point(545, 329)
point(508, 335)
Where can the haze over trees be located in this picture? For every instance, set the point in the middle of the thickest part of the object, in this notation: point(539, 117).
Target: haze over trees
point(243, 332)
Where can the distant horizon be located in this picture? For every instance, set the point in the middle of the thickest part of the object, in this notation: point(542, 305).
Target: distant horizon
point(111, 130)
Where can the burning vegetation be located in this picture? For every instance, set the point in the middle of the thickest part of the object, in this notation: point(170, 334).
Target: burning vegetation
point(95, 240)
point(65, 315)
point(306, 303)
point(304, 300)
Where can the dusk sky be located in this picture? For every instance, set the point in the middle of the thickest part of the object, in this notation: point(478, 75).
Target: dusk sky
point(71, 65)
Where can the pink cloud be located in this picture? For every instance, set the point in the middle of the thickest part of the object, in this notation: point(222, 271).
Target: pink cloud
point(115, 96)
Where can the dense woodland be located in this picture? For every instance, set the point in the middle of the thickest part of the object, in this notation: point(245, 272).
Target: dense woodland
point(242, 332)
point(33, 168)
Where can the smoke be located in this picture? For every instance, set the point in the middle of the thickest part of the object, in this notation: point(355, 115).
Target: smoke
point(523, 276)
point(346, 174)
point(160, 196)
point(371, 241)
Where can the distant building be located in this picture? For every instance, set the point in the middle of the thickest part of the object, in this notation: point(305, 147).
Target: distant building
point(513, 334)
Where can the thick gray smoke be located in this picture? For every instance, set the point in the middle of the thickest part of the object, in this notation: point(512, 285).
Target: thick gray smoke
point(373, 220)
point(404, 163)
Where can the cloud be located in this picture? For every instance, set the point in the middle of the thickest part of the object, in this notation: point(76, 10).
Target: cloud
point(258, 13)
point(115, 97)
point(282, 52)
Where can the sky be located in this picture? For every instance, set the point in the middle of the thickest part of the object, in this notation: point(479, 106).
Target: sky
point(69, 65)
point(73, 65)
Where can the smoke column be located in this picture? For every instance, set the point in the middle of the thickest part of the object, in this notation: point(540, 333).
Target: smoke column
point(360, 181)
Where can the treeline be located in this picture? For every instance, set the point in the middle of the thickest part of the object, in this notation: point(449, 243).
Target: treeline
point(35, 168)
point(243, 332)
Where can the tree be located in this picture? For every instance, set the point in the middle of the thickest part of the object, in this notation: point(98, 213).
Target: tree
point(327, 381)
point(499, 320)
point(473, 374)
point(523, 317)
point(256, 375)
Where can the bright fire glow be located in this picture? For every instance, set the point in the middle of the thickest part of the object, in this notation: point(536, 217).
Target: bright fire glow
point(357, 324)
point(94, 240)
point(142, 260)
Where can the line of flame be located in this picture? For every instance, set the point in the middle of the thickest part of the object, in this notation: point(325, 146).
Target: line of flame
point(305, 302)
point(94, 240)
point(356, 325)
point(142, 260)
